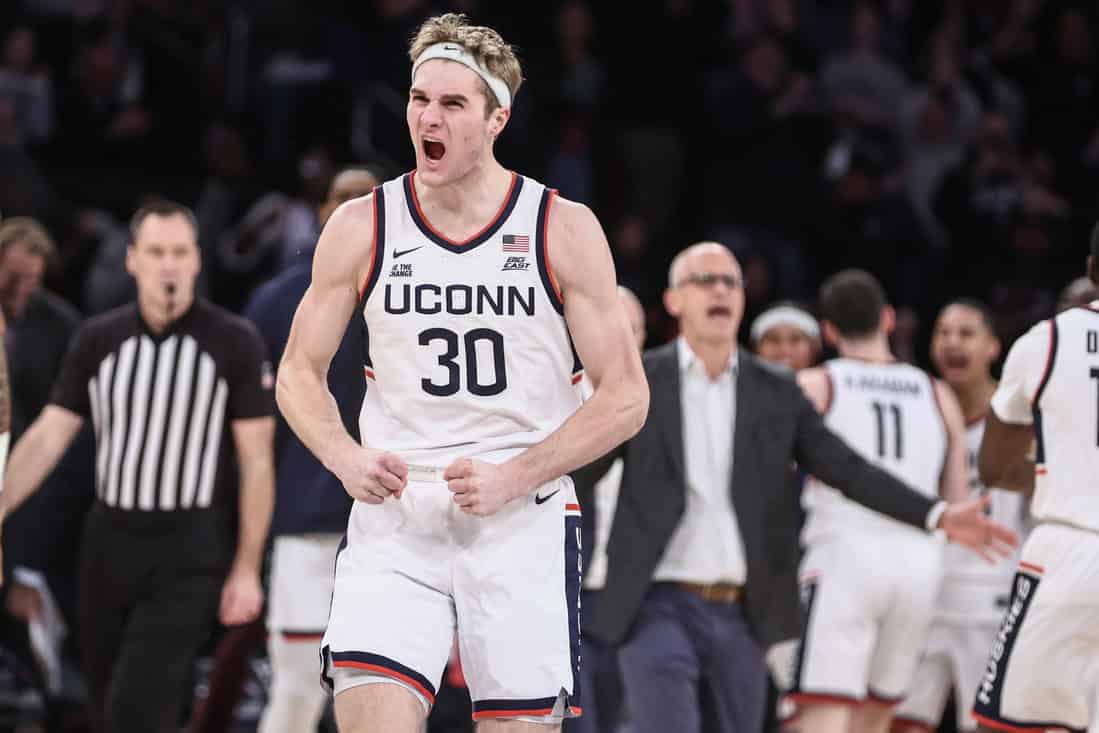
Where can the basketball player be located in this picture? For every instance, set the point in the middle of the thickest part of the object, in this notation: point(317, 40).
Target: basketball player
point(475, 283)
point(974, 593)
point(869, 583)
point(786, 334)
point(1042, 672)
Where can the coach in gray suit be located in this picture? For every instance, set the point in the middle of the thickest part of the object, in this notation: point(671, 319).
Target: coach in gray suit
point(703, 553)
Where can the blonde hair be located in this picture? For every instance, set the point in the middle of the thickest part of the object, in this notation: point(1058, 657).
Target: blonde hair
point(485, 44)
point(29, 233)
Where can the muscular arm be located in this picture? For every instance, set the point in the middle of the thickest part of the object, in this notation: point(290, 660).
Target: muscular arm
point(254, 439)
point(584, 272)
point(37, 453)
point(339, 267)
point(954, 484)
point(1004, 460)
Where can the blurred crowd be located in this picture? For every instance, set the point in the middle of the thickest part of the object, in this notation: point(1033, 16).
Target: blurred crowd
point(950, 147)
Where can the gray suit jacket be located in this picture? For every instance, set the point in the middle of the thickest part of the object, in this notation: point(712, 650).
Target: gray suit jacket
point(775, 426)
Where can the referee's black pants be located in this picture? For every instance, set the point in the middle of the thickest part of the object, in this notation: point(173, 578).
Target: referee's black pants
point(150, 584)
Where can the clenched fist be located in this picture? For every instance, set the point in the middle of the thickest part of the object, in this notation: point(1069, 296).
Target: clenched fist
point(480, 488)
point(372, 475)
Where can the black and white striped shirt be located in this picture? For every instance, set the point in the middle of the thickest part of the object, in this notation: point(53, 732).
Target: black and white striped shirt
point(161, 404)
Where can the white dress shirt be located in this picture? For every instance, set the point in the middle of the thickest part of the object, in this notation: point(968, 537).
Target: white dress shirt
point(706, 546)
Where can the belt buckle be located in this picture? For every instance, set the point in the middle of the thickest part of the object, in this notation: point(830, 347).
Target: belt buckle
point(721, 593)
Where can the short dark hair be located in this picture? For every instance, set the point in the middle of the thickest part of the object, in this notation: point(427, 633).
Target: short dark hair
point(161, 207)
point(852, 300)
point(982, 309)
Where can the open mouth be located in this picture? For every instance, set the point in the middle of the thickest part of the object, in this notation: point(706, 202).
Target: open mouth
point(719, 311)
point(955, 361)
point(433, 149)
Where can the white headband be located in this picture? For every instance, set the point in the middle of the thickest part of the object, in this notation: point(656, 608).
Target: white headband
point(454, 52)
point(785, 315)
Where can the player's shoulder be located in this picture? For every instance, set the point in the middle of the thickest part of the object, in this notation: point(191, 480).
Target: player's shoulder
point(574, 219)
point(355, 212)
point(1038, 338)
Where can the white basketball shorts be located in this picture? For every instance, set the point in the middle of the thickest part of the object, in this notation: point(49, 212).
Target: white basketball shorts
point(417, 570)
point(300, 585)
point(869, 602)
point(1043, 669)
point(953, 658)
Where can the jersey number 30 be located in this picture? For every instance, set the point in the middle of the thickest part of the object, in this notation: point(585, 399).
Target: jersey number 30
point(476, 381)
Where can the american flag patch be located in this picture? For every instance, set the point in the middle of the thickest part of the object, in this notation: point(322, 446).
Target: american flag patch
point(516, 243)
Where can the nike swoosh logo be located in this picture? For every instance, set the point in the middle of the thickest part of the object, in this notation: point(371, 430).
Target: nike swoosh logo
point(544, 499)
point(402, 252)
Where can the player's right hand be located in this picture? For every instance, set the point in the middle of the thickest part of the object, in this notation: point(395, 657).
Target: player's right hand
point(373, 475)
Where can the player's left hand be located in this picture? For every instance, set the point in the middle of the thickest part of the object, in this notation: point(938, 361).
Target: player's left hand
point(479, 488)
point(241, 597)
point(967, 524)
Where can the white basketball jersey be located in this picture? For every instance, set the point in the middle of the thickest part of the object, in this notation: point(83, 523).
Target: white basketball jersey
point(468, 354)
point(971, 584)
point(889, 414)
point(1066, 423)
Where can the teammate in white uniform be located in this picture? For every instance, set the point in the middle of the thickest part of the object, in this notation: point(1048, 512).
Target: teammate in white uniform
point(1043, 670)
point(974, 592)
point(869, 583)
point(475, 284)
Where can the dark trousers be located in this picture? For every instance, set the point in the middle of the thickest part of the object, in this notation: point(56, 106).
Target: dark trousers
point(150, 584)
point(684, 650)
point(600, 680)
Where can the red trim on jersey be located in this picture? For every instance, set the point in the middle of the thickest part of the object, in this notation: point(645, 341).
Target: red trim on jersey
point(875, 697)
point(901, 724)
point(492, 222)
point(373, 247)
point(302, 635)
point(1040, 471)
point(369, 372)
point(572, 507)
point(1031, 567)
point(545, 246)
point(1049, 364)
point(379, 669)
point(812, 698)
point(577, 377)
point(481, 715)
point(1000, 725)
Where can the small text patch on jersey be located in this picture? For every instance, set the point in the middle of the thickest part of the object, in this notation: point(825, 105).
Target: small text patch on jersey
point(516, 243)
point(401, 269)
point(516, 263)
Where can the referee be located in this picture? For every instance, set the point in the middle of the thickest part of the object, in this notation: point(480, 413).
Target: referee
point(166, 381)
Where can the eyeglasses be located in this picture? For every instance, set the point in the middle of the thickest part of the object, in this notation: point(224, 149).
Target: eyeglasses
point(709, 279)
